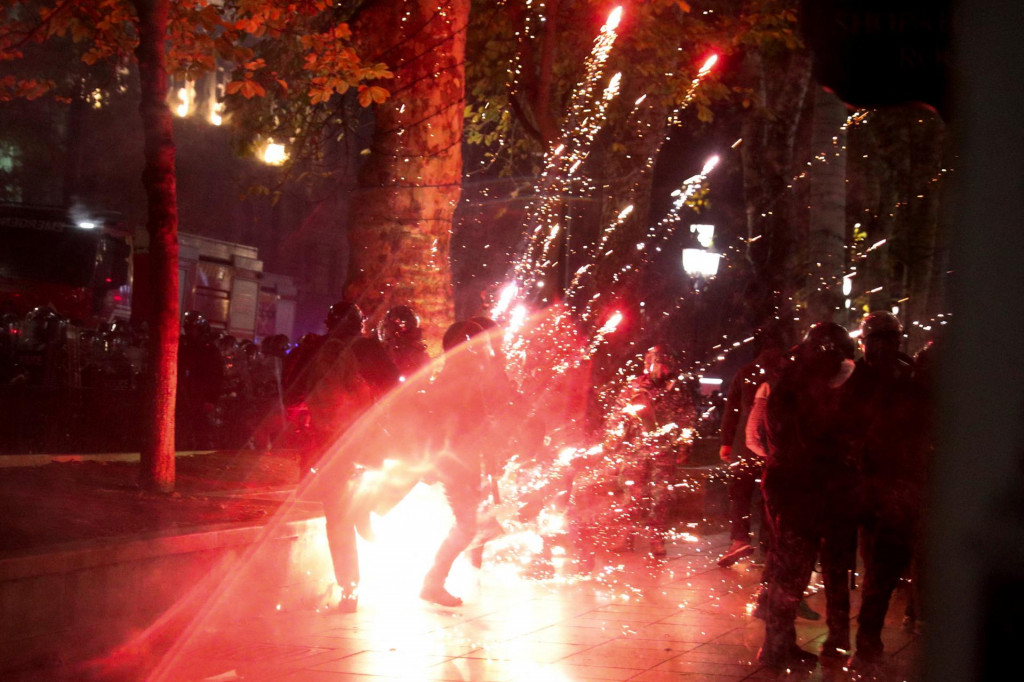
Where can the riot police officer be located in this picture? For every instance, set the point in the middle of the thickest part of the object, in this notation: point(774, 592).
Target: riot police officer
point(653, 421)
point(200, 381)
point(889, 407)
point(338, 377)
point(402, 336)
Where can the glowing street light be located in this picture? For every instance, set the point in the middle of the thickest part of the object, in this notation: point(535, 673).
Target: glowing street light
point(216, 113)
point(274, 154)
point(700, 263)
point(705, 234)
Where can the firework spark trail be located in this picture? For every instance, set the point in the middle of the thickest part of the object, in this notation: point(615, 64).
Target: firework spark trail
point(611, 515)
point(575, 159)
point(586, 115)
point(659, 232)
point(673, 116)
point(691, 92)
point(596, 251)
point(691, 186)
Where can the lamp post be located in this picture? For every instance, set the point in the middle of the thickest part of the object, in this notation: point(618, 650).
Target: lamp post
point(700, 264)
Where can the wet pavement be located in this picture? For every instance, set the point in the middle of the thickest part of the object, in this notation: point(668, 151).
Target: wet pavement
point(634, 618)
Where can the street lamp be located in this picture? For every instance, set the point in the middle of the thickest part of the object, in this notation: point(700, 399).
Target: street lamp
point(274, 153)
point(700, 262)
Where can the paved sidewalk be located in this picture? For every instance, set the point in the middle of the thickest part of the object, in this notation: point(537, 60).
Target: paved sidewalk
point(635, 619)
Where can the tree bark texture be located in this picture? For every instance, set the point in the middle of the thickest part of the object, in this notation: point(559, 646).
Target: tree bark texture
point(407, 189)
point(158, 178)
point(769, 144)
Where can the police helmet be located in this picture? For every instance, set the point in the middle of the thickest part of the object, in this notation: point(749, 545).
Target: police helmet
point(277, 346)
point(345, 319)
point(458, 333)
point(827, 338)
point(43, 325)
point(880, 322)
point(398, 321)
point(193, 320)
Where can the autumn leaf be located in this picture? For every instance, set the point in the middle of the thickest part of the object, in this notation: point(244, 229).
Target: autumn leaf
point(365, 98)
point(247, 88)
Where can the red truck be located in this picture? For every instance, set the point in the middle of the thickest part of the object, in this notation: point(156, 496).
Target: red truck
point(81, 263)
point(76, 262)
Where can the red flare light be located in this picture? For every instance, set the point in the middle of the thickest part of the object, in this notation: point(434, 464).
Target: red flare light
point(708, 65)
point(613, 19)
point(611, 324)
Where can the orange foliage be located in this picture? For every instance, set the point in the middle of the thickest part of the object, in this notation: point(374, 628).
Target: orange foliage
point(200, 36)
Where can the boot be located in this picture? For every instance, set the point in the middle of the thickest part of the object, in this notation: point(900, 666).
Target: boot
point(436, 594)
point(738, 550)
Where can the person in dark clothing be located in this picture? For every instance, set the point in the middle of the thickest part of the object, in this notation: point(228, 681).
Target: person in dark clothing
point(654, 422)
point(200, 381)
point(745, 466)
point(338, 383)
point(460, 419)
point(400, 333)
point(809, 487)
point(889, 408)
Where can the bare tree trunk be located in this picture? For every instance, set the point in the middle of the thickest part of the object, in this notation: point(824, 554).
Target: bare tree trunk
point(769, 145)
point(408, 187)
point(158, 177)
point(827, 234)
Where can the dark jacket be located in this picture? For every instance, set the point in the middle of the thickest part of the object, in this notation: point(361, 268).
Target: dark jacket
point(809, 474)
point(740, 400)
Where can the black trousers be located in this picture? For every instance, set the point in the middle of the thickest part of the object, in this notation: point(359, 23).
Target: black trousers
point(743, 481)
point(886, 549)
point(797, 543)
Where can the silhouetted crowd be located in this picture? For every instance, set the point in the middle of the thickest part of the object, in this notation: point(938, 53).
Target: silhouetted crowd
point(841, 448)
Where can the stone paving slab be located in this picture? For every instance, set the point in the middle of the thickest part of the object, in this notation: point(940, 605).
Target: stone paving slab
point(681, 618)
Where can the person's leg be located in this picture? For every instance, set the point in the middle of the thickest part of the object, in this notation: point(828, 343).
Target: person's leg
point(886, 553)
point(634, 477)
point(464, 501)
point(341, 540)
point(768, 531)
point(742, 479)
point(663, 477)
point(794, 553)
point(838, 552)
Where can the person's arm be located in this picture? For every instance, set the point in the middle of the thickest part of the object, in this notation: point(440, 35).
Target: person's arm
point(731, 417)
point(755, 429)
